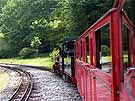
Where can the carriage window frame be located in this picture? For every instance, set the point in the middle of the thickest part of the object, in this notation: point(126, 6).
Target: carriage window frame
point(87, 49)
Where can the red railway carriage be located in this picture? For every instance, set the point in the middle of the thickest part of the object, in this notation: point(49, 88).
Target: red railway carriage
point(113, 81)
point(99, 77)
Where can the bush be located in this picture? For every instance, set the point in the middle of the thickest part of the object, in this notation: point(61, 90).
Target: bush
point(54, 53)
point(105, 50)
point(27, 52)
point(6, 54)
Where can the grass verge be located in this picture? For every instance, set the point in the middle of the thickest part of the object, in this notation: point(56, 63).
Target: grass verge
point(39, 61)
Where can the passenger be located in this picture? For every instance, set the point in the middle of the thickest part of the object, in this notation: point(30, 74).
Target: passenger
point(56, 67)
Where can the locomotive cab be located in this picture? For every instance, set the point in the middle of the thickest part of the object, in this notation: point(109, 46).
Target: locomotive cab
point(67, 55)
point(66, 61)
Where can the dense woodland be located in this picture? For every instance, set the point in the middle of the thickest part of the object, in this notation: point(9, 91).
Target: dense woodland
point(38, 26)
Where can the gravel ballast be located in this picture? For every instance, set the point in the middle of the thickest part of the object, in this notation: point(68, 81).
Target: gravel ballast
point(47, 87)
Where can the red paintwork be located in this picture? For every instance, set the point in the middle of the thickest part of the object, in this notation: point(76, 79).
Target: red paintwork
point(74, 80)
point(94, 84)
point(133, 86)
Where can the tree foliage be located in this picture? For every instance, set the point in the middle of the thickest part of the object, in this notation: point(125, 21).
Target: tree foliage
point(44, 24)
point(27, 52)
point(21, 20)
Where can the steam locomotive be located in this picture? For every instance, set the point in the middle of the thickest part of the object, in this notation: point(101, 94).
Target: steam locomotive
point(64, 63)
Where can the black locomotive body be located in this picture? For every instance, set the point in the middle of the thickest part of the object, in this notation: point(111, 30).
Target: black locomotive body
point(64, 62)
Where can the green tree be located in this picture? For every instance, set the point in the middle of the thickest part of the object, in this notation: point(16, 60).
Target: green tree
point(50, 21)
point(18, 21)
point(72, 17)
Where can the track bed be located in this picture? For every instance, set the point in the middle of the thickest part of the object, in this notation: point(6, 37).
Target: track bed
point(49, 87)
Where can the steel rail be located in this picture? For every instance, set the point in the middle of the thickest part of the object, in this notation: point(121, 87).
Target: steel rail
point(24, 84)
point(18, 87)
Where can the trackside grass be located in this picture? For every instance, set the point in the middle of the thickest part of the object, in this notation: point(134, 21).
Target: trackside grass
point(39, 61)
point(45, 61)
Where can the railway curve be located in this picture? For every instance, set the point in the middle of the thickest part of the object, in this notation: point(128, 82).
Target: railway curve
point(24, 87)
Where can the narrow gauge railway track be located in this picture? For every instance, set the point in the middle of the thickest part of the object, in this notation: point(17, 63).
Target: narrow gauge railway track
point(25, 86)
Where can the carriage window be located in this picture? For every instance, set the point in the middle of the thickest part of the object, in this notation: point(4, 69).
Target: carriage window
point(80, 50)
point(87, 50)
point(125, 47)
point(103, 58)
